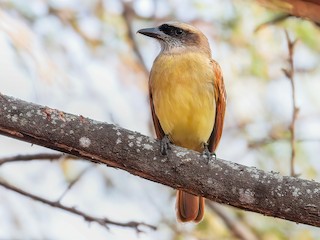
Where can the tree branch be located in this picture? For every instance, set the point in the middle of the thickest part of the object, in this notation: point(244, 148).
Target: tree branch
point(221, 181)
point(56, 204)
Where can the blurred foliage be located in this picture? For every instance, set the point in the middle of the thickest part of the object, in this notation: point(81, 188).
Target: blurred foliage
point(308, 33)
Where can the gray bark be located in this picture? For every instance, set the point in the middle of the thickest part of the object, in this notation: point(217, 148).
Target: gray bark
point(225, 182)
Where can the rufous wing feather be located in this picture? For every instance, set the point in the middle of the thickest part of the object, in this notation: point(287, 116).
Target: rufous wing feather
point(220, 97)
point(157, 127)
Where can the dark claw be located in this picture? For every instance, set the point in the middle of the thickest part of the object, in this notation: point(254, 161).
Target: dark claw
point(165, 145)
point(207, 154)
point(206, 151)
point(214, 155)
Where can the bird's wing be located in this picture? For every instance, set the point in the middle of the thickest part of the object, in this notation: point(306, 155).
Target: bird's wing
point(157, 127)
point(220, 97)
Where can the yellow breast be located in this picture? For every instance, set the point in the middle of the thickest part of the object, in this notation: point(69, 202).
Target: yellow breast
point(183, 97)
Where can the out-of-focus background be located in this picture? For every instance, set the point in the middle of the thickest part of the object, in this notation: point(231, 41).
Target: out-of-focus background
point(84, 57)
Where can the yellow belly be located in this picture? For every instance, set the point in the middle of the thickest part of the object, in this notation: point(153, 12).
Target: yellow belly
point(183, 98)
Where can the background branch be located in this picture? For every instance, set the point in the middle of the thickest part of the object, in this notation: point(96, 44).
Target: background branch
point(239, 229)
point(74, 181)
point(28, 157)
point(127, 16)
point(56, 204)
point(289, 72)
point(221, 181)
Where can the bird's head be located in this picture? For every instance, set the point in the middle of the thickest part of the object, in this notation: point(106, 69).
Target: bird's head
point(177, 37)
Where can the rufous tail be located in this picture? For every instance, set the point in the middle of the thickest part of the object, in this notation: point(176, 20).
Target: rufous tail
point(189, 207)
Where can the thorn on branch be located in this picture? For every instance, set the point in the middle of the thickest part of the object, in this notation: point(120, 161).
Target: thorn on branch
point(287, 73)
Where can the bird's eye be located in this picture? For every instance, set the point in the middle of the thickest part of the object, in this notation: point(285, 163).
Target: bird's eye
point(178, 31)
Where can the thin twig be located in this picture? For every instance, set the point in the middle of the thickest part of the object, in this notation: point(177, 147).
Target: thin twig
point(68, 16)
point(37, 156)
point(264, 141)
point(289, 72)
point(270, 140)
point(127, 16)
point(74, 181)
point(56, 204)
point(274, 20)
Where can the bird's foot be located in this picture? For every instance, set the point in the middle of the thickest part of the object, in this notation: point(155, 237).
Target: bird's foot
point(165, 145)
point(207, 154)
point(214, 156)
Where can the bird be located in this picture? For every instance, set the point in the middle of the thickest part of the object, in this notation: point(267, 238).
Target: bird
point(187, 99)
